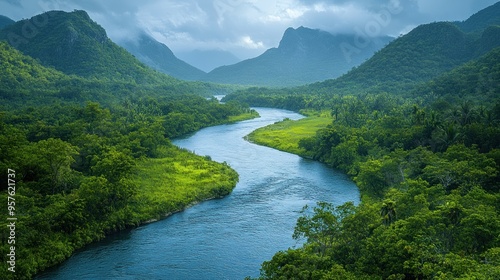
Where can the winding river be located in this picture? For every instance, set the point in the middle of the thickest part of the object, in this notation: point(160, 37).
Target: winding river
point(227, 238)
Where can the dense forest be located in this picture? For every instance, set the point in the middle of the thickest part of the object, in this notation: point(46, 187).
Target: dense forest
point(427, 162)
point(85, 150)
point(79, 155)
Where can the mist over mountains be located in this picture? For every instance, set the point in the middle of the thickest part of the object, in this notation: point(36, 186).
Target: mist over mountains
point(303, 56)
point(75, 44)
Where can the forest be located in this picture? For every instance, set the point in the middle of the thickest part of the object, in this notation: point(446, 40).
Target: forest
point(427, 163)
point(82, 154)
point(416, 127)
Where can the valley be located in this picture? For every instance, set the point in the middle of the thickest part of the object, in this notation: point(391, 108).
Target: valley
point(390, 171)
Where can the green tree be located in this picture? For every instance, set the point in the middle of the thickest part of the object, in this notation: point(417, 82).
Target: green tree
point(54, 157)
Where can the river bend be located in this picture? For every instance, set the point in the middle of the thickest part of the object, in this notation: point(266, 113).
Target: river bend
point(227, 238)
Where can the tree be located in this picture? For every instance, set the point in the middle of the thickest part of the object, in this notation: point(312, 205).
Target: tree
point(388, 212)
point(324, 226)
point(54, 157)
point(112, 165)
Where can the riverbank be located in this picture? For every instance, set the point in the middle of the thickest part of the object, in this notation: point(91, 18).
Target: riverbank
point(173, 181)
point(286, 135)
point(178, 180)
point(257, 218)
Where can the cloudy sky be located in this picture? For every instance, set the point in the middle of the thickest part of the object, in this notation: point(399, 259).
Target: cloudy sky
point(249, 27)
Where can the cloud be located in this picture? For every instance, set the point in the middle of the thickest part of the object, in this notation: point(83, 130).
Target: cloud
point(248, 42)
point(248, 27)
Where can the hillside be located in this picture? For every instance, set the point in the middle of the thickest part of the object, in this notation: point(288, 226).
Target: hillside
point(482, 19)
point(303, 56)
point(160, 57)
point(74, 44)
point(5, 21)
point(83, 151)
point(478, 79)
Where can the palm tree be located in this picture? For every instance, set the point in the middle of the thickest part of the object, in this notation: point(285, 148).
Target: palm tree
point(388, 212)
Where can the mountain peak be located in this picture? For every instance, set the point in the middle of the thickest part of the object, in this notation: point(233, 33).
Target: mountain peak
point(300, 32)
point(304, 55)
point(73, 43)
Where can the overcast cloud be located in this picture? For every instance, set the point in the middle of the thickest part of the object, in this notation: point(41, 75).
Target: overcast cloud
point(249, 27)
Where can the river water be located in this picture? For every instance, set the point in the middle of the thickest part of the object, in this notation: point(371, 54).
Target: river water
point(227, 238)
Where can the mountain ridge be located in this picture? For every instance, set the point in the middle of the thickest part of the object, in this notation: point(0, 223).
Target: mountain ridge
point(159, 56)
point(481, 20)
point(5, 21)
point(303, 56)
point(74, 44)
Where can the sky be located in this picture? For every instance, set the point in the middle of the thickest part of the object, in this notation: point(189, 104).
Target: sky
point(247, 28)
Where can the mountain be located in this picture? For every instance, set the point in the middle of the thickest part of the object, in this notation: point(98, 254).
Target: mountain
point(5, 21)
point(482, 19)
point(76, 45)
point(160, 57)
point(303, 56)
point(20, 74)
point(419, 56)
point(479, 76)
point(208, 60)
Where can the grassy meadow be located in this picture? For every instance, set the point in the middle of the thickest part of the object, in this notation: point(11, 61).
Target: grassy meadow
point(285, 135)
point(177, 180)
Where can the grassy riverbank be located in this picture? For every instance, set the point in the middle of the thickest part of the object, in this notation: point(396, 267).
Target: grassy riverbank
point(177, 180)
point(161, 186)
point(285, 135)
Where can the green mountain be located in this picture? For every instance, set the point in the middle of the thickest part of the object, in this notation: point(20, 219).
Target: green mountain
point(479, 78)
point(74, 44)
point(21, 74)
point(5, 21)
point(419, 56)
point(160, 57)
point(303, 56)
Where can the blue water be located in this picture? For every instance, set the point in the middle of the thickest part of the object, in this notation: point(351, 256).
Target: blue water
point(227, 238)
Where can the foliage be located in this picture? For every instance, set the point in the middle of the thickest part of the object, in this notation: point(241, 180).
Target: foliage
point(427, 165)
point(92, 155)
point(287, 134)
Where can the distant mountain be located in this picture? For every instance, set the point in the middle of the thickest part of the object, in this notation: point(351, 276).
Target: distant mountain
point(208, 60)
point(5, 21)
point(303, 56)
point(161, 58)
point(74, 44)
point(482, 19)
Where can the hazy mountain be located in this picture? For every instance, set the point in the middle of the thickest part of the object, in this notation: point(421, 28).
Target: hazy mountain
point(207, 60)
point(74, 44)
point(4, 21)
point(161, 58)
point(303, 56)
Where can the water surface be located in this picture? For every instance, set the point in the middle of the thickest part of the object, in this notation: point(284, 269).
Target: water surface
point(227, 238)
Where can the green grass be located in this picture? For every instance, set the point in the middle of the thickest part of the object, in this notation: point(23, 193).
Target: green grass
point(243, 117)
point(285, 135)
point(178, 180)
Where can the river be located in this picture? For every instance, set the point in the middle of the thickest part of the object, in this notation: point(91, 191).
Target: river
point(227, 238)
